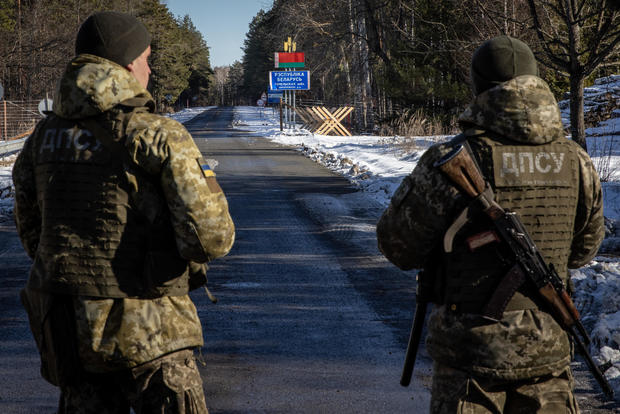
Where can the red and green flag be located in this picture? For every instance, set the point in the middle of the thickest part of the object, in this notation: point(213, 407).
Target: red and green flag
point(289, 60)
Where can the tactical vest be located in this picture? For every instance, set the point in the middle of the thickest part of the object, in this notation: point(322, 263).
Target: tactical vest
point(96, 240)
point(538, 182)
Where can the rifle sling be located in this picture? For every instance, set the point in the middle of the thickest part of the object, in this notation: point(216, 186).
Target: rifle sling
point(482, 202)
point(448, 238)
point(506, 296)
point(105, 137)
point(505, 293)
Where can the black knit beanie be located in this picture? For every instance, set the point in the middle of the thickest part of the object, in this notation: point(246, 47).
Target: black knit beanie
point(500, 59)
point(115, 36)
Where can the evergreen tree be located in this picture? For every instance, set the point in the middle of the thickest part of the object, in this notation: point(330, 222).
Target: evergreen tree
point(170, 72)
point(196, 55)
point(259, 48)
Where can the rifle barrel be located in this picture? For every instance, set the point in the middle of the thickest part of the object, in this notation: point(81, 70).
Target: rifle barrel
point(598, 375)
point(414, 342)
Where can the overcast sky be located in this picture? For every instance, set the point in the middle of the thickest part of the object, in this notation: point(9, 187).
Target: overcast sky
point(223, 24)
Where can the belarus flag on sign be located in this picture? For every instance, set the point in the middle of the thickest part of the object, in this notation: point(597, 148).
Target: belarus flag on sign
point(289, 60)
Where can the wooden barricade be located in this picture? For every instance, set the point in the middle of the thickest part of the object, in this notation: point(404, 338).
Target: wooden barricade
point(321, 120)
point(309, 122)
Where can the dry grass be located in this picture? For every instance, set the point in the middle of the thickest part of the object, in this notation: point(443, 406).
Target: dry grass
point(414, 123)
point(605, 161)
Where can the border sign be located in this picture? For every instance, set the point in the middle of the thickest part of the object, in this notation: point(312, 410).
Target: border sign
point(289, 59)
point(275, 96)
point(294, 80)
point(45, 105)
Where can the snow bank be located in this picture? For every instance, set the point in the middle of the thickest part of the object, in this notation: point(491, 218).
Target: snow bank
point(375, 164)
point(597, 289)
point(6, 186)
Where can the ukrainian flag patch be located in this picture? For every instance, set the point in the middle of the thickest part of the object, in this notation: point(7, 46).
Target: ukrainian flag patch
point(205, 168)
point(207, 171)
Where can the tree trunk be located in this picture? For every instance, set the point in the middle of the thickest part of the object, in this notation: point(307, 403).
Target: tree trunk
point(365, 74)
point(346, 65)
point(577, 123)
point(576, 77)
point(361, 66)
point(358, 98)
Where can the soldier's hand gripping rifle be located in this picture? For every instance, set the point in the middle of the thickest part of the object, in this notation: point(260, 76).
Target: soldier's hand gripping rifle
point(459, 166)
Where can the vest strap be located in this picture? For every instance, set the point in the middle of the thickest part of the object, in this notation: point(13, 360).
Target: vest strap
point(103, 135)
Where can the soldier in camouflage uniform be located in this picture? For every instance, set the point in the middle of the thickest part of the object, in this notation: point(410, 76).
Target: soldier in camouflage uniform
point(120, 213)
point(519, 364)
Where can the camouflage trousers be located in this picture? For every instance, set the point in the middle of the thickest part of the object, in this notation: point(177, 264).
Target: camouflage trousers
point(457, 392)
point(169, 384)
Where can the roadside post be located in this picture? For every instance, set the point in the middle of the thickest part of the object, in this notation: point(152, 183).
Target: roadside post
point(289, 80)
point(280, 114)
point(45, 105)
point(1, 99)
point(6, 128)
point(261, 103)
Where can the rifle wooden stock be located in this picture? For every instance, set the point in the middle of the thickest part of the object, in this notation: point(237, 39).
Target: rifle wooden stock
point(562, 314)
point(570, 305)
point(459, 166)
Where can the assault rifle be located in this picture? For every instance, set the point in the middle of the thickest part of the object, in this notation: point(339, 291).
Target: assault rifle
point(459, 166)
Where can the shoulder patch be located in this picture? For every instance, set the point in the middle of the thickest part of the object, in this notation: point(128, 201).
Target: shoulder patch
point(206, 170)
point(209, 175)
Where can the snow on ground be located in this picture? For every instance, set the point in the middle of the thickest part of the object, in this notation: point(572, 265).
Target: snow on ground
point(6, 185)
point(188, 114)
point(375, 164)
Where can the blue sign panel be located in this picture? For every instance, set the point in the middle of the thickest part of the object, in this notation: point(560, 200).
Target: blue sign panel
point(293, 80)
point(274, 96)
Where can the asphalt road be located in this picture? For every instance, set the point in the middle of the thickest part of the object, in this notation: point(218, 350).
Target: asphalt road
point(310, 318)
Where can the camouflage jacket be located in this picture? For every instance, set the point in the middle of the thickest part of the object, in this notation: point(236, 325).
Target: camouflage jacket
point(164, 178)
point(520, 114)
